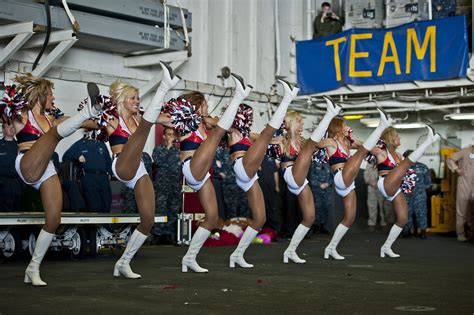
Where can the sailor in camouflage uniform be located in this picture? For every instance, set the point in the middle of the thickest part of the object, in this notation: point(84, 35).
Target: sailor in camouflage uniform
point(167, 182)
point(321, 181)
point(235, 199)
point(417, 199)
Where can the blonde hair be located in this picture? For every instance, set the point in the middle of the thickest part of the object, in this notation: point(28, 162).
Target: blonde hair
point(336, 127)
point(388, 136)
point(121, 92)
point(291, 119)
point(35, 89)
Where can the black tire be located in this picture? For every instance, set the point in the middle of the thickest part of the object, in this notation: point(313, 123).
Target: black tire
point(92, 238)
point(14, 240)
point(81, 243)
point(31, 243)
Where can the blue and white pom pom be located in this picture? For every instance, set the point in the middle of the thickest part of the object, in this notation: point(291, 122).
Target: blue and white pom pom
point(320, 155)
point(350, 136)
point(12, 102)
point(275, 151)
point(372, 159)
point(280, 131)
point(109, 112)
point(409, 181)
point(55, 112)
point(184, 115)
point(243, 119)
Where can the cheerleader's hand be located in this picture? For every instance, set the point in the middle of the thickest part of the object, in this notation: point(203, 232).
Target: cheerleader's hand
point(165, 120)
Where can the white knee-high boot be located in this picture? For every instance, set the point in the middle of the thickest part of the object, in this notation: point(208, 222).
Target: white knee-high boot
point(290, 252)
point(168, 82)
point(279, 115)
point(92, 110)
point(189, 260)
point(430, 139)
point(331, 112)
point(122, 267)
point(384, 123)
point(387, 246)
point(32, 274)
point(237, 256)
point(241, 93)
point(330, 250)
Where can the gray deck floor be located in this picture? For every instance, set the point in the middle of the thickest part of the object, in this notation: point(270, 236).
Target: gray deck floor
point(436, 273)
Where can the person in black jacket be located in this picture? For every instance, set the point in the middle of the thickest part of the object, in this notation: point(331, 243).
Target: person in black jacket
point(10, 183)
point(94, 157)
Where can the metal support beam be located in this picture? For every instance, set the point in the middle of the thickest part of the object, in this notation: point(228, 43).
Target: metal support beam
point(140, 11)
point(64, 39)
point(153, 59)
point(21, 33)
point(405, 86)
point(54, 38)
point(97, 31)
point(157, 79)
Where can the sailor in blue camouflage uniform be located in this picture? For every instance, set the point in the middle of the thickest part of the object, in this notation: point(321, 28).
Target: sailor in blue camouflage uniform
point(167, 183)
point(234, 198)
point(443, 8)
point(417, 199)
point(321, 180)
point(218, 177)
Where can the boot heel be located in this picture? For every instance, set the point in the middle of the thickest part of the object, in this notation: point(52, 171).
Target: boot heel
point(326, 254)
point(116, 272)
point(184, 268)
point(232, 263)
point(285, 259)
point(27, 278)
point(382, 254)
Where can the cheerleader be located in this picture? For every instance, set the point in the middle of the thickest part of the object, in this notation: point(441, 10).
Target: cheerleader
point(190, 118)
point(127, 137)
point(345, 168)
point(392, 172)
point(295, 164)
point(247, 158)
point(39, 126)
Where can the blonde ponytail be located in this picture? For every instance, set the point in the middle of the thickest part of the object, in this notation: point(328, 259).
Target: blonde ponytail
point(120, 92)
point(35, 89)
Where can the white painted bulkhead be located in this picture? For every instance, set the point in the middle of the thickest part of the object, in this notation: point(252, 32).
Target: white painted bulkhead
point(238, 34)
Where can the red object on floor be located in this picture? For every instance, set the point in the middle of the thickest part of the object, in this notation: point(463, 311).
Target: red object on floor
point(270, 232)
point(226, 239)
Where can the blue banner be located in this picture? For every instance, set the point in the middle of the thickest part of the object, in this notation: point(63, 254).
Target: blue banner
point(425, 50)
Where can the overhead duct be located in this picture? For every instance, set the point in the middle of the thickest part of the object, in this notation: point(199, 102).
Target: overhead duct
point(98, 32)
point(140, 11)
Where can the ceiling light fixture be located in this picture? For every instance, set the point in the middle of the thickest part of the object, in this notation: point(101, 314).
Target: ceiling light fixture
point(352, 117)
point(413, 125)
point(460, 116)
